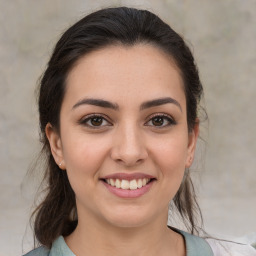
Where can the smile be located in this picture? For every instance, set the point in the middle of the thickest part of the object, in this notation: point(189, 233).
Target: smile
point(126, 184)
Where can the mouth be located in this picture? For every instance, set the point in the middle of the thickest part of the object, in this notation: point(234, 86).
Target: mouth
point(128, 184)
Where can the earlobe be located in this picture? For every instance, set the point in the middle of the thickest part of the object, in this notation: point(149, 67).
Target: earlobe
point(192, 140)
point(55, 144)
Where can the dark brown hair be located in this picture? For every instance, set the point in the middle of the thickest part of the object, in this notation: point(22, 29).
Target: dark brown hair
point(56, 214)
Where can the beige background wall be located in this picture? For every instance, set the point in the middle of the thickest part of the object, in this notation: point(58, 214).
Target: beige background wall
point(222, 35)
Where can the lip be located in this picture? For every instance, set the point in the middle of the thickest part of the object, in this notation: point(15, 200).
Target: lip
point(127, 193)
point(128, 176)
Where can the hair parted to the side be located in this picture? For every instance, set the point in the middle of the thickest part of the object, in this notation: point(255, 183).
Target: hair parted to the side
point(56, 214)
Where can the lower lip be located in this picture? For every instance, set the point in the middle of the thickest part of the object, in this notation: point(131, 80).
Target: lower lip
point(129, 193)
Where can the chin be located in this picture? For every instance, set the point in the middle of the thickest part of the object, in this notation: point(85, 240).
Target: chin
point(129, 218)
point(127, 223)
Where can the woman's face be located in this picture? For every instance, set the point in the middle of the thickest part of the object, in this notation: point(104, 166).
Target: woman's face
point(124, 138)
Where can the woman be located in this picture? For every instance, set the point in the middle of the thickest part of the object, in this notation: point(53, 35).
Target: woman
point(119, 121)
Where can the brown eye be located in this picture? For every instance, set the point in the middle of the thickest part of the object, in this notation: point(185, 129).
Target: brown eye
point(158, 121)
point(161, 121)
point(96, 121)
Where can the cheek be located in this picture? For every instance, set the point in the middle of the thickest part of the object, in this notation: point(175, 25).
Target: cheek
point(84, 158)
point(83, 154)
point(171, 153)
point(170, 157)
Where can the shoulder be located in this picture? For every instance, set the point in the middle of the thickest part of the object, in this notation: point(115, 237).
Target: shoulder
point(224, 248)
point(214, 247)
point(40, 251)
point(59, 248)
point(196, 246)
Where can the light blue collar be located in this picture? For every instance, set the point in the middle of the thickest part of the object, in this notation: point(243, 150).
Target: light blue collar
point(195, 246)
point(60, 248)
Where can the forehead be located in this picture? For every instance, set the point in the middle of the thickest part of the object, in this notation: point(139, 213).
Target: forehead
point(142, 70)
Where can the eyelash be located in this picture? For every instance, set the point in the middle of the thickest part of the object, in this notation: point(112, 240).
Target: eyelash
point(89, 118)
point(85, 121)
point(169, 119)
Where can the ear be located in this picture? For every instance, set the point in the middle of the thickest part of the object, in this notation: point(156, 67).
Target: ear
point(56, 145)
point(192, 140)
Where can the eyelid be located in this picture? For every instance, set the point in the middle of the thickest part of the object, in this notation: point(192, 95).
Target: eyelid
point(167, 116)
point(86, 118)
point(83, 121)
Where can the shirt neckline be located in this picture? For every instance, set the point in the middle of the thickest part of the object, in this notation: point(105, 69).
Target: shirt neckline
point(195, 246)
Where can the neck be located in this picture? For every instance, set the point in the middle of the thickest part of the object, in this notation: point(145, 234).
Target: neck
point(152, 239)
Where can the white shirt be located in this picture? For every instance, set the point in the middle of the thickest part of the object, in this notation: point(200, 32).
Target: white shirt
point(222, 248)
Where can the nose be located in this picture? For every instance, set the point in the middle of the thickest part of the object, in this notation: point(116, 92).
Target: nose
point(129, 146)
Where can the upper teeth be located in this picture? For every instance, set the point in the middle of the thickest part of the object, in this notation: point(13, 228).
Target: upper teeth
point(126, 184)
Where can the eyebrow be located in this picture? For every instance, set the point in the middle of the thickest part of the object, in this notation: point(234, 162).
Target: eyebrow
point(97, 102)
point(159, 102)
point(114, 106)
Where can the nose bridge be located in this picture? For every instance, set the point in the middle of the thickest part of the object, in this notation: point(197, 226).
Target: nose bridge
point(129, 145)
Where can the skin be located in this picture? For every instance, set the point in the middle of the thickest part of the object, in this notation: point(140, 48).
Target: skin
point(128, 140)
